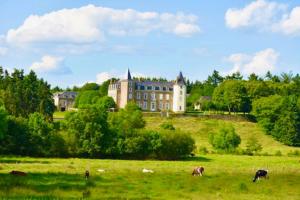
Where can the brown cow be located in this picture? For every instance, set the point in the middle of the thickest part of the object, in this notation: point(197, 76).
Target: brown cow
point(18, 173)
point(87, 174)
point(198, 171)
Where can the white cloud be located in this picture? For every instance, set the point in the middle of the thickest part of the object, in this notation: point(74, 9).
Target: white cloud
point(104, 76)
point(258, 63)
point(260, 13)
point(52, 64)
point(290, 23)
point(266, 16)
point(90, 24)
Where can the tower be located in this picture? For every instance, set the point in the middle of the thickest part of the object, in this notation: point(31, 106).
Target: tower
point(179, 94)
point(127, 87)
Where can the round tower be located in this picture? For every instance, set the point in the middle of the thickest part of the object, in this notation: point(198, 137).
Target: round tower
point(127, 90)
point(179, 94)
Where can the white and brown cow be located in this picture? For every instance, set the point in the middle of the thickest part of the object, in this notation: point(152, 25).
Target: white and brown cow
point(198, 171)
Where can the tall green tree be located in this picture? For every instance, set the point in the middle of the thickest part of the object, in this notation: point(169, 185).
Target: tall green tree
point(91, 131)
point(232, 94)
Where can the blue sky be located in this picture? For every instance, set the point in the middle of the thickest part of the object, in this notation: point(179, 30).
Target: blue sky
point(72, 42)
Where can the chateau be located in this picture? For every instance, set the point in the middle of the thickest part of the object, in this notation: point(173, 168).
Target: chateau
point(150, 95)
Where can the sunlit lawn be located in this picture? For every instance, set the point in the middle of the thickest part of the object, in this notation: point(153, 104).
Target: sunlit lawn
point(226, 177)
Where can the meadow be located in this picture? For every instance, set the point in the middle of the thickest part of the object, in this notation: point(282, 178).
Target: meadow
point(200, 128)
point(225, 177)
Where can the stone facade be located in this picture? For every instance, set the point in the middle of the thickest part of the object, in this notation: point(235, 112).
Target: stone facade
point(150, 95)
point(64, 100)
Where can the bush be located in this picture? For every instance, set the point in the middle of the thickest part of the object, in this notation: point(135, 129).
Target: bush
point(278, 153)
point(167, 126)
point(294, 153)
point(226, 140)
point(253, 146)
point(175, 145)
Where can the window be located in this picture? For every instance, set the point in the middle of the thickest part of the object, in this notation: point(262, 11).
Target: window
point(145, 96)
point(142, 87)
point(167, 96)
point(153, 96)
point(145, 105)
point(130, 96)
point(161, 107)
point(179, 107)
point(167, 106)
point(137, 87)
point(130, 84)
point(157, 88)
point(170, 89)
point(153, 106)
point(164, 89)
point(149, 87)
point(181, 87)
point(161, 96)
point(138, 95)
point(130, 89)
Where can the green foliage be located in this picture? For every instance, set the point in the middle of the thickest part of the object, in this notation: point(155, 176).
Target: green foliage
point(253, 146)
point(232, 94)
point(87, 98)
point(106, 102)
point(3, 122)
point(167, 126)
point(175, 145)
point(267, 111)
point(128, 119)
point(279, 116)
point(90, 129)
point(89, 86)
point(225, 140)
point(24, 94)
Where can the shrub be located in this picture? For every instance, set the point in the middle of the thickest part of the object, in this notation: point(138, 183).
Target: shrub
point(253, 146)
point(175, 145)
point(167, 126)
point(294, 153)
point(225, 140)
point(278, 153)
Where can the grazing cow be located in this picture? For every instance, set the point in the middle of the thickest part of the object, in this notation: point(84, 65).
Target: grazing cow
point(260, 174)
point(198, 171)
point(18, 173)
point(87, 174)
point(147, 171)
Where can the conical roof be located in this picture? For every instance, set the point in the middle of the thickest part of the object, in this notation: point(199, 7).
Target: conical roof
point(180, 79)
point(128, 75)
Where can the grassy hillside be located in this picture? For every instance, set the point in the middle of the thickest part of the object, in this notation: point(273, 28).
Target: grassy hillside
point(200, 128)
point(226, 177)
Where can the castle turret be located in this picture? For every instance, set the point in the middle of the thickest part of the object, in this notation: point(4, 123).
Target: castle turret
point(179, 94)
point(127, 90)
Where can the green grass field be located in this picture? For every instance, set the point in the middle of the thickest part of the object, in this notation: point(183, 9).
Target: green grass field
point(201, 127)
point(226, 177)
